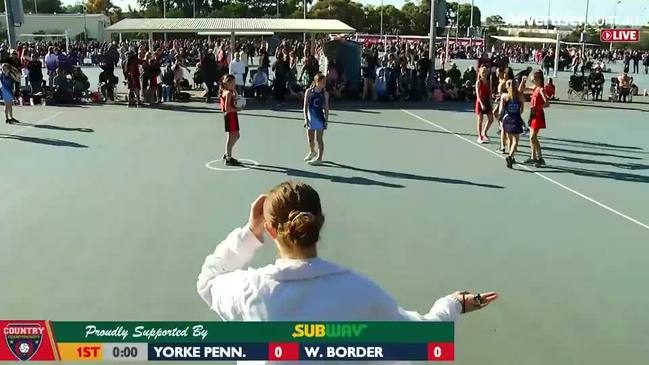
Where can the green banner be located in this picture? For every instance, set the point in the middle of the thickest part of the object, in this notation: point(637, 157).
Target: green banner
point(249, 332)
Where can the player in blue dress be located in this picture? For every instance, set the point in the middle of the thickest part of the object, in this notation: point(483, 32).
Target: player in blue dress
point(7, 78)
point(316, 115)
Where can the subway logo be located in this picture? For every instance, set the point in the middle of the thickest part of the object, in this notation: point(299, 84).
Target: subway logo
point(333, 330)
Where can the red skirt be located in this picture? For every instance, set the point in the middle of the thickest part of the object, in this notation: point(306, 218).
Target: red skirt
point(231, 122)
point(537, 120)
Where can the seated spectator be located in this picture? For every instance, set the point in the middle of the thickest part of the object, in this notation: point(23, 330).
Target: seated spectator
point(467, 91)
point(550, 90)
point(596, 83)
point(80, 84)
point(62, 87)
point(449, 90)
point(260, 85)
point(470, 75)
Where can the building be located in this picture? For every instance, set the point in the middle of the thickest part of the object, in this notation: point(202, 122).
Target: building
point(94, 25)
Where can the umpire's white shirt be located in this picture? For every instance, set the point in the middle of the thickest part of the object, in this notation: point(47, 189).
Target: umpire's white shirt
point(298, 290)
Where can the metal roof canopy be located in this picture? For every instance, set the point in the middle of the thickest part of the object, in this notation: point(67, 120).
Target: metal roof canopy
point(541, 40)
point(242, 33)
point(524, 39)
point(191, 25)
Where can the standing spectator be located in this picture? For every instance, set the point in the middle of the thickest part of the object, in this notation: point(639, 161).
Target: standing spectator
point(238, 69)
point(636, 60)
point(547, 62)
point(8, 77)
point(35, 74)
point(423, 70)
point(208, 69)
point(645, 62)
point(51, 63)
point(454, 75)
point(281, 68)
point(626, 60)
point(311, 67)
point(167, 83)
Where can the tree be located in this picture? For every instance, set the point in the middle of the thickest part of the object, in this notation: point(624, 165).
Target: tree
point(494, 20)
point(73, 9)
point(417, 17)
point(464, 16)
point(44, 6)
point(347, 11)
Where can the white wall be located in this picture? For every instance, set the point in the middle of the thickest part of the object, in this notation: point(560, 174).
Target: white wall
point(74, 23)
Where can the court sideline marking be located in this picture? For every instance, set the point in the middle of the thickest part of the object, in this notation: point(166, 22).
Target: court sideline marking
point(602, 205)
point(24, 128)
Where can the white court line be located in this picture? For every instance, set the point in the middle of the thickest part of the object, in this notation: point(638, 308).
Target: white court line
point(24, 128)
point(643, 225)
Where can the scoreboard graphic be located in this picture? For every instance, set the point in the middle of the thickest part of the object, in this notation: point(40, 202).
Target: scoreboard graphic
point(41, 340)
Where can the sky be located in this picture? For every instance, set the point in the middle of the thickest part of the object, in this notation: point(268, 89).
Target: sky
point(628, 11)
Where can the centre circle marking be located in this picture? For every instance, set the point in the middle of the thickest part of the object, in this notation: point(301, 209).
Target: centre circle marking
point(248, 163)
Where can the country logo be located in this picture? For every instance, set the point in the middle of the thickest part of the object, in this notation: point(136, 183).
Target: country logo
point(24, 339)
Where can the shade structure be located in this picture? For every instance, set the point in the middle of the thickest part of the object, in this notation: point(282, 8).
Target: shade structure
point(524, 39)
point(195, 25)
point(240, 33)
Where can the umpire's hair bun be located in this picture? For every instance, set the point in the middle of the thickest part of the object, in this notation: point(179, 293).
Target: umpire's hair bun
point(303, 228)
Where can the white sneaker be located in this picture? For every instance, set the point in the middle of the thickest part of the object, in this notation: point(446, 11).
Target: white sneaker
point(315, 162)
point(310, 156)
point(480, 140)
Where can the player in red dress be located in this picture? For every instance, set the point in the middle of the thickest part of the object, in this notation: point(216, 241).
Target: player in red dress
point(483, 104)
point(538, 102)
point(231, 118)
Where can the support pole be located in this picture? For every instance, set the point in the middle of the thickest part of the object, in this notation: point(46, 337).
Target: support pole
point(431, 48)
point(556, 55)
point(67, 41)
point(150, 41)
point(120, 37)
point(11, 28)
point(232, 50)
point(304, 35)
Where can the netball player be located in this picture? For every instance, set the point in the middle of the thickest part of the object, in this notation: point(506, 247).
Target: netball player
point(316, 114)
point(227, 98)
point(538, 102)
point(483, 105)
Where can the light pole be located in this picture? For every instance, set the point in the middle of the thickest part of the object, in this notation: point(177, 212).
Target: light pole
point(85, 25)
point(583, 33)
point(277, 8)
point(35, 7)
point(610, 47)
point(304, 36)
point(547, 21)
point(468, 31)
point(164, 15)
point(381, 20)
point(431, 48)
point(194, 8)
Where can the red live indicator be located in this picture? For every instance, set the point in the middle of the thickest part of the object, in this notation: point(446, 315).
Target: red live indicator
point(441, 351)
point(283, 351)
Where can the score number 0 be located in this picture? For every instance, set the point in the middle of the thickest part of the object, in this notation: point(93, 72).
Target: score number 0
point(441, 351)
point(283, 351)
